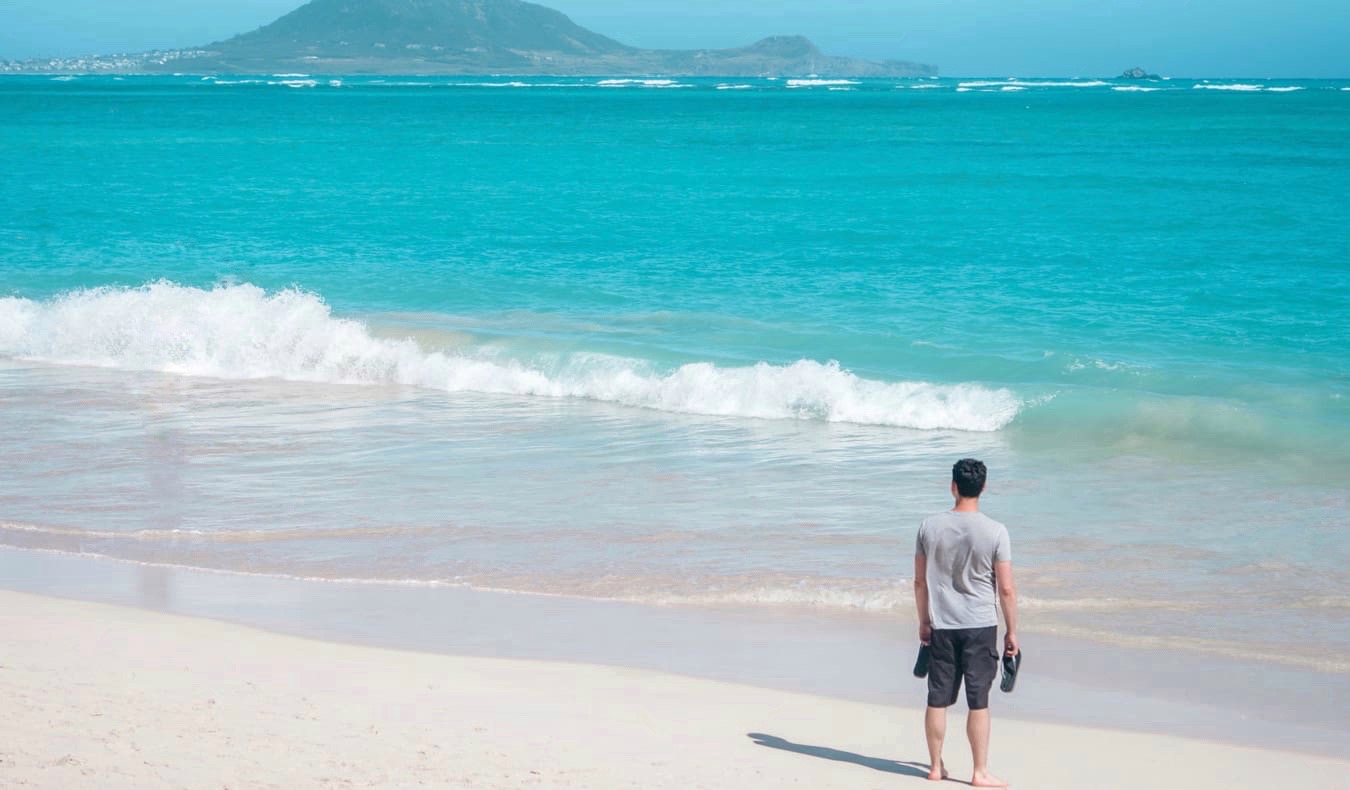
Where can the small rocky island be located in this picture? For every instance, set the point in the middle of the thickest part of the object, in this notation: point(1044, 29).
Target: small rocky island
point(1137, 73)
point(464, 37)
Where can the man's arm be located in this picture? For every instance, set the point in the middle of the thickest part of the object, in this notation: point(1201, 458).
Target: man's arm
point(921, 598)
point(1007, 598)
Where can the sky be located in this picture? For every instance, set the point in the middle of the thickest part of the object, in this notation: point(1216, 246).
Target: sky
point(993, 38)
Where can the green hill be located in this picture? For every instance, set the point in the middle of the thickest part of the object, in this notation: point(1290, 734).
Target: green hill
point(467, 37)
point(353, 28)
point(490, 37)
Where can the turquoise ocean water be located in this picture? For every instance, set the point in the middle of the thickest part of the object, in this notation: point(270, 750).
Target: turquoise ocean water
point(691, 341)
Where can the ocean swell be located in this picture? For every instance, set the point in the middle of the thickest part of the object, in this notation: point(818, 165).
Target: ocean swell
point(244, 332)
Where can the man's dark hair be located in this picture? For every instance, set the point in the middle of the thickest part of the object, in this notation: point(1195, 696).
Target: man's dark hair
point(968, 474)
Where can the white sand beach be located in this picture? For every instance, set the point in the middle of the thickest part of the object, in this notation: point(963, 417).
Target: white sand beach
point(104, 696)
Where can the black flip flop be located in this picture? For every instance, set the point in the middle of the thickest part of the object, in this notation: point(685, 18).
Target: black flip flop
point(1010, 666)
point(921, 664)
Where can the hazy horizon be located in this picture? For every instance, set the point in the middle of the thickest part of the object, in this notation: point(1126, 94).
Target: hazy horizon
point(983, 38)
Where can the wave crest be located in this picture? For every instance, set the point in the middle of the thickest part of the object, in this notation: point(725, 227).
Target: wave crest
point(243, 332)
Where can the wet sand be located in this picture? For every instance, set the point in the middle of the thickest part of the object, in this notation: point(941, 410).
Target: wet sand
point(105, 695)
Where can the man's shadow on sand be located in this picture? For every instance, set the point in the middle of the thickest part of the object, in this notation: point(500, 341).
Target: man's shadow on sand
point(824, 752)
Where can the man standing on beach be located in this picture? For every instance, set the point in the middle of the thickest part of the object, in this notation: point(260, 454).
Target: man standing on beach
point(961, 559)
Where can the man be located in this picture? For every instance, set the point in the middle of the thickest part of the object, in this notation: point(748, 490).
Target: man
point(961, 559)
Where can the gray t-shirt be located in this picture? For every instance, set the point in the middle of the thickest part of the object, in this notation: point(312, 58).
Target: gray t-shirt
point(961, 549)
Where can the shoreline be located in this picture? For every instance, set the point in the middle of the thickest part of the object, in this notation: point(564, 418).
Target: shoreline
point(191, 702)
point(850, 658)
point(1034, 622)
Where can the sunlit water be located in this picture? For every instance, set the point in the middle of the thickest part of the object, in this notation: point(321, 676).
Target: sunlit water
point(670, 342)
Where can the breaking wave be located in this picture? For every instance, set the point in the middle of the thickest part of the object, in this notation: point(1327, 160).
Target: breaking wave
point(244, 332)
point(1032, 84)
point(814, 83)
point(642, 83)
point(1239, 87)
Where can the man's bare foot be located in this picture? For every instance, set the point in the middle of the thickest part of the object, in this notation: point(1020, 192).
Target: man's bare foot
point(939, 773)
point(986, 779)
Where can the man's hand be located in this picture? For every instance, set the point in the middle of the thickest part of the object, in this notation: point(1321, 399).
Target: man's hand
point(1010, 644)
point(925, 633)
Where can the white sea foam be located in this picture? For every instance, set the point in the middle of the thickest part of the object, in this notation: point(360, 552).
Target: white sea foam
point(1232, 86)
point(738, 87)
point(1031, 84)
point(644, 83)
point(1109, 604)
point(811, 83)
point(1284, 89)
point(1010, 88)
point(243, 332)
point(1070, 84)
point(56, 536)
point(873, 597)
point(922, 87)
point(1099, 364)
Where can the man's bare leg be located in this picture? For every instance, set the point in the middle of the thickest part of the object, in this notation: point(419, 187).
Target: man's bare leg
point(977, 730)
point(935, 728)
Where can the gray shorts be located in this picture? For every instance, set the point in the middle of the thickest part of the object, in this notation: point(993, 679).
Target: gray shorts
point(956, 654)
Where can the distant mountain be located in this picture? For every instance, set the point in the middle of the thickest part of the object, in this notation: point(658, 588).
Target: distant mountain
point(469, 37)
point(490, 30)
